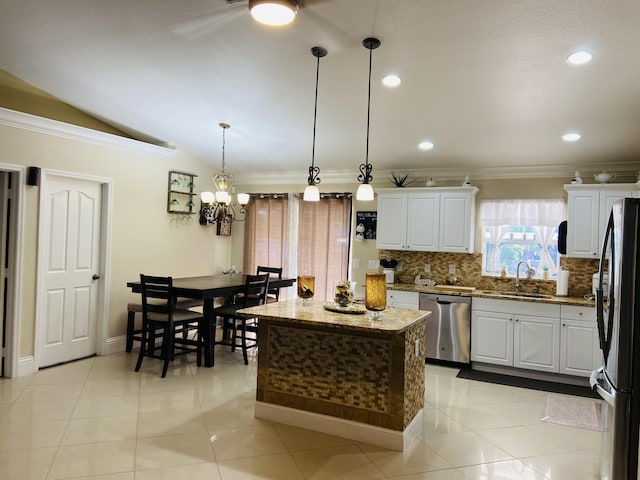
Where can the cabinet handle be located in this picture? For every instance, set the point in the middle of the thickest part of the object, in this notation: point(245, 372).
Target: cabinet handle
point(580, 314)
point(517, 319)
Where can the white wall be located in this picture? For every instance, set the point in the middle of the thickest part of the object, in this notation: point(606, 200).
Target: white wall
point(145, 238)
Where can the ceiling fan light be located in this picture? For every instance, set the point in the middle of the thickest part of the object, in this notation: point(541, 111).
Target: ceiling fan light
point(311, 194)
point(273, 12)
point(364, 193)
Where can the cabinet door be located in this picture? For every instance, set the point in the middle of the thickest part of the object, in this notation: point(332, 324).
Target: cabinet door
point(391, 233)
point(579, 350)
point(403, 299)
point(536, 343)
point(582, 224)
point(422, 221)
point(492, 338)
point(455, 223)
point(607, 199)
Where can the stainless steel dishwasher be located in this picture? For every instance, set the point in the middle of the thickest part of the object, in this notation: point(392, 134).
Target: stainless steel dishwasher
point(448, 333)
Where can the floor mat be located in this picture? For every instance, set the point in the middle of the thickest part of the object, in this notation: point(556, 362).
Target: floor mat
point(582, 391)
point(572, 412)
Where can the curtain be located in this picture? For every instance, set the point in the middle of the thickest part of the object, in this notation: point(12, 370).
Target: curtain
point(545, 235)
point(323, 242)
point(495, 237)
point(266, 233)
point(547, 213)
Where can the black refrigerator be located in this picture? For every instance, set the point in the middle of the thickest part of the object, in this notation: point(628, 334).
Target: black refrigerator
point(618, 317)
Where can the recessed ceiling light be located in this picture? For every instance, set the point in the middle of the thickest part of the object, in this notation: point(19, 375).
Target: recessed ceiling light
point(571, 137)
point(426, 145)
point(580, 57)
point(391, 81)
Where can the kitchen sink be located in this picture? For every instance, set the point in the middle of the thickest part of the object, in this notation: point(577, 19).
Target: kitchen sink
point(521, 294)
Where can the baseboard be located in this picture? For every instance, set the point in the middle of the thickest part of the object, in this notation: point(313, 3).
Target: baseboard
point(340, 427)
point(26, 366)
point(582, 390)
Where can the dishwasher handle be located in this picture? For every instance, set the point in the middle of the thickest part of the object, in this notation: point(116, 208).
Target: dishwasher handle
point(443, 302)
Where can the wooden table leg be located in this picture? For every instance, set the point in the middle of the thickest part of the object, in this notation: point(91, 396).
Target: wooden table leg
point(207, 332)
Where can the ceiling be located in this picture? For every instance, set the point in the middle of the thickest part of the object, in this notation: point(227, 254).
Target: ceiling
point(485, 81)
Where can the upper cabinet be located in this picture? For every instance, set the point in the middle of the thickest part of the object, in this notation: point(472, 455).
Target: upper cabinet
point(436, 219)
point(588, 211)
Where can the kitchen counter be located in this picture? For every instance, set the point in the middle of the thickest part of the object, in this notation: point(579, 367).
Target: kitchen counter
point(341, 374)
point(408, 287)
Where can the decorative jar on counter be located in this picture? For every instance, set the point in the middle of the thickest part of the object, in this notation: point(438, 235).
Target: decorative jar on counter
point(375, 297)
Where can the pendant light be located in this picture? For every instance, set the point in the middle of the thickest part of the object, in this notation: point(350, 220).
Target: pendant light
point(365, 190)
point(311, 192)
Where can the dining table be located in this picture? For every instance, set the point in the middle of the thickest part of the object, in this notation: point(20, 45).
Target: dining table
point(207, 288)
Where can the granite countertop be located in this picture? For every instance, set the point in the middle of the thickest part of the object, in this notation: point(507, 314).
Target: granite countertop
point(578, 301)
point(394, 320)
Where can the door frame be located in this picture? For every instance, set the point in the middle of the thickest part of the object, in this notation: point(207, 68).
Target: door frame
point(102, 319)
point(16, 264)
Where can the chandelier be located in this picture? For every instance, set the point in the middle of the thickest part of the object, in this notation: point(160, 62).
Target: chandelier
point(218, 207)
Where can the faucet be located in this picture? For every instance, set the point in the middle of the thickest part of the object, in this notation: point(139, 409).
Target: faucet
point(527, 273)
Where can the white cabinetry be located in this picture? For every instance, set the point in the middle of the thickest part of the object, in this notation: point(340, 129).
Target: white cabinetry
point(514, 333)
point(431, 219)
point(579, 348)
point(588, 210)
point(403, 299)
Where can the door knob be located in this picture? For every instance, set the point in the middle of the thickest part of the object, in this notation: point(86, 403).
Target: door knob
point(95, 276)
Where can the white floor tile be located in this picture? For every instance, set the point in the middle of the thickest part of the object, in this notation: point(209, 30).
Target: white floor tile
point(97, 419)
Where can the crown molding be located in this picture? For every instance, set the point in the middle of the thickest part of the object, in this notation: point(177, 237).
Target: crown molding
point(26, 121)
point(627, 170)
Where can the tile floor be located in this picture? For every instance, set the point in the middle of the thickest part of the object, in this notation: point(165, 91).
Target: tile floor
point(97, 419)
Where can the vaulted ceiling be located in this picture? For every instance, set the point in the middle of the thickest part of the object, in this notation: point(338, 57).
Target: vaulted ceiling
point(485, 80)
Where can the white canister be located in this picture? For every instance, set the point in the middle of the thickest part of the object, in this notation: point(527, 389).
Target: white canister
point(562, 285)
point(390, 274)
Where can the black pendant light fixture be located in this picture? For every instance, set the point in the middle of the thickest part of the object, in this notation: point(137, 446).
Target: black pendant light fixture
point(365, 190)
point(311, 192)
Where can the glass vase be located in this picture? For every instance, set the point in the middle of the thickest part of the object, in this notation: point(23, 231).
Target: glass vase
point(375, 297)
point(306, 287)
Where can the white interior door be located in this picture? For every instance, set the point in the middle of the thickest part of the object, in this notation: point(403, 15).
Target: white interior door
point(70, 248)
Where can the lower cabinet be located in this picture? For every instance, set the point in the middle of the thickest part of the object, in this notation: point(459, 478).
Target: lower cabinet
point(579, 348)
point(516, 334)
point(403, 299)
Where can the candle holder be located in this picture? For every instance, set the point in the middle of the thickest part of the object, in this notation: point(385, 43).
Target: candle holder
point(375, 298)
point(306, 287)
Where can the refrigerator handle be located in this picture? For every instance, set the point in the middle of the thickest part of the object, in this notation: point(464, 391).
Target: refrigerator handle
point(605, 335)
point(607, 396)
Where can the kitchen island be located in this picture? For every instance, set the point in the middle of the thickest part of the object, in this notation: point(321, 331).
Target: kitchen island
point(341, 374)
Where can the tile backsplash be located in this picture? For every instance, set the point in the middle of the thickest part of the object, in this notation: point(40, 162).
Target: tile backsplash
point(469, 271)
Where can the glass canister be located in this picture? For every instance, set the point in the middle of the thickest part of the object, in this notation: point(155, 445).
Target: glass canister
point(375, 298)
point(344, 293)
point(306, 287)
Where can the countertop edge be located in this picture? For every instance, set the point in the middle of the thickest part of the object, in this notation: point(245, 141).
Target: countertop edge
point(408, 287)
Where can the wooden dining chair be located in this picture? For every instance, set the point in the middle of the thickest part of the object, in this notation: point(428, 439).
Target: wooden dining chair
point(273, 295)
point(161, 319)
point(238, 331)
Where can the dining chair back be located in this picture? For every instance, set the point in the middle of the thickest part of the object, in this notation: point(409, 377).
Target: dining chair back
point(273, 295)
point(239, 331)
point(161, 319)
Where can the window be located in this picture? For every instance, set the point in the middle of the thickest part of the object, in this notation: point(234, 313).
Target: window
point(303, 237)
point(515, 230)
